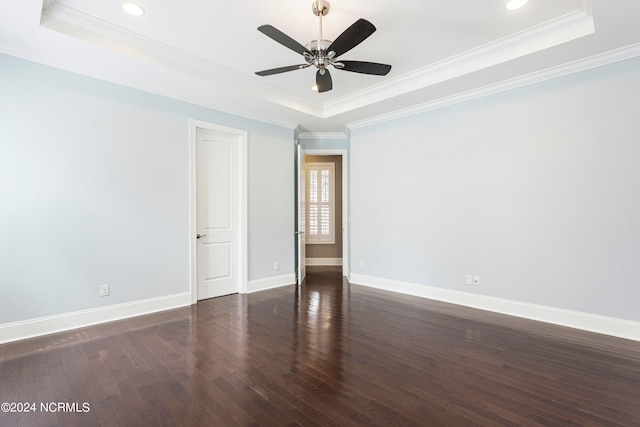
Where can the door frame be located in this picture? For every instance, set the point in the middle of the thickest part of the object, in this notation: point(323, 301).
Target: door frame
point(345, 199)
point(300, 196)
point(240, 174)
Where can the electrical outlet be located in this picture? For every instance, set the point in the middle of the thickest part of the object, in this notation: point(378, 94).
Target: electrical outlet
point(104, 290)
point(361, 264)
point(276, 265)
point(469, 279)
point(476, 280)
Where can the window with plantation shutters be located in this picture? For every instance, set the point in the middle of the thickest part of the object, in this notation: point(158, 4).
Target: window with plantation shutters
point(320, 203)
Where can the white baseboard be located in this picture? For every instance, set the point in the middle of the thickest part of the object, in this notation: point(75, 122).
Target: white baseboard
point(271, 282)
point(323, 261)
point(79, 319)
point(574, 319)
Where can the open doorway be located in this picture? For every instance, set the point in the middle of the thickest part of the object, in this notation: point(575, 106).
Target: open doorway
point(333, 251)
point(324, 210)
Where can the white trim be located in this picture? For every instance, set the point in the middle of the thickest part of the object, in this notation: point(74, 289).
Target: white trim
point(564, 28)
point(574, 319)
point(342, 136)
point(345, 196)
point(315, 236)
point(299, 213)
point(271, 283)
point(64, 19)
point(325, 152)
point(80, 319)
point(580, 65)
point(323, 261)
point(242, 252)
point(75, 23)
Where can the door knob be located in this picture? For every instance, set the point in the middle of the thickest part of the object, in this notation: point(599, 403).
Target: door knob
point(198, 236)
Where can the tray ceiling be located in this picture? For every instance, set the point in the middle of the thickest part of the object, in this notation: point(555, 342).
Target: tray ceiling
point(206, 52)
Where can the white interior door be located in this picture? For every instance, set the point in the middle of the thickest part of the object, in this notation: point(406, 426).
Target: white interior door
point(302, 216)
point(217, 222)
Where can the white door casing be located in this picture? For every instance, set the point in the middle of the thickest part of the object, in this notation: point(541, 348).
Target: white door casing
point(346, 270)
point(219, 220)
point(302, 216)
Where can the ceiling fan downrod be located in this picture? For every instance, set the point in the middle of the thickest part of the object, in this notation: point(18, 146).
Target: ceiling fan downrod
point(321, 58)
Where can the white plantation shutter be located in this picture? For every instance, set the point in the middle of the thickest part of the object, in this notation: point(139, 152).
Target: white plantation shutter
point(321, 203)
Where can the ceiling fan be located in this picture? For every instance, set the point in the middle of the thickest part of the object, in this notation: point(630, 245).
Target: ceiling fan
point(321, 53)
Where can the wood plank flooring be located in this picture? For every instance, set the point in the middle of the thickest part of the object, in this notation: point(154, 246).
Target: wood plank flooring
point(327, 354)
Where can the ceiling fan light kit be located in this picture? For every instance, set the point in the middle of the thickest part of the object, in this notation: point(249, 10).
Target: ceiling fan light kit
point(322, 53)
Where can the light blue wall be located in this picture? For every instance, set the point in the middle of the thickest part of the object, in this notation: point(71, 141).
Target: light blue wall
point(536, 190)
point(94, 186)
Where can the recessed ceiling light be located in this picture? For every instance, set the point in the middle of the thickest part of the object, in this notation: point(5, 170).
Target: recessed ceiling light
point(516, 4)
point(314, 87)
point(133, 9)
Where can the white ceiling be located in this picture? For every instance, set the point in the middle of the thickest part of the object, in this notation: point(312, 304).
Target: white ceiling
point(206, 51)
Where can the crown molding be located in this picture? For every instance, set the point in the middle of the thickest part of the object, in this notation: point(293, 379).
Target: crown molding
point(64, 19)
point(53, 60)
point(324, 135)
point(225, 108)
point(585, 64)
point(223, 80)
point(553, 32)
point(46, 4)
point(556, 31)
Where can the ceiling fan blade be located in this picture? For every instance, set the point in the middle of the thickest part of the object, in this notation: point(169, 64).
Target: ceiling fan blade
point(323, 81)
point(365, 67)
point(352, 37)
point(283, 39)
point(281, 69)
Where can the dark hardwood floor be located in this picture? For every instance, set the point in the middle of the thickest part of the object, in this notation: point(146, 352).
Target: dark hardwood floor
point(327, 354)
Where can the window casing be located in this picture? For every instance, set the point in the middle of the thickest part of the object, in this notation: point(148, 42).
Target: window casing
point(320, 203)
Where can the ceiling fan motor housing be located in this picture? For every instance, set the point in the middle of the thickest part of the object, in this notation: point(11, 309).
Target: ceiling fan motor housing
point(321, 58)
